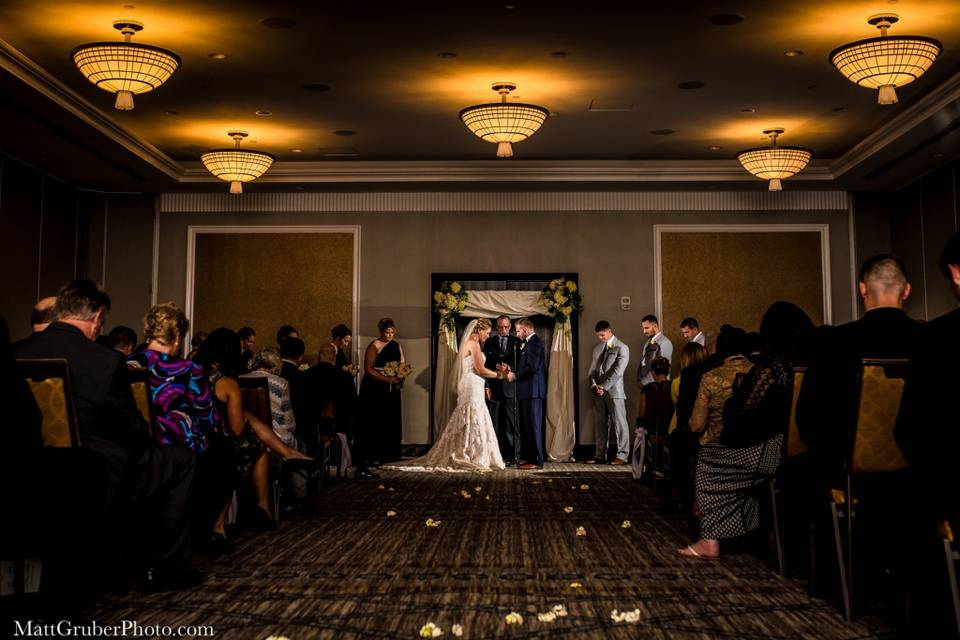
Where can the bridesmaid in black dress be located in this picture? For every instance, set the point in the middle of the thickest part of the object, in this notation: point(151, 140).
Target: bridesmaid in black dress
point(381, 424)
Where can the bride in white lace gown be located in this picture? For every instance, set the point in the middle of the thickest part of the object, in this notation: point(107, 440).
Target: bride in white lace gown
point(468, 441)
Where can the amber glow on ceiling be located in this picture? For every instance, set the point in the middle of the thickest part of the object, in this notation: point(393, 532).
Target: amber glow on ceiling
point(834, 24)
point(269, 136)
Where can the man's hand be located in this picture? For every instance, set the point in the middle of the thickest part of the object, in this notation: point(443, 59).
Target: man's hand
point(489, 394)
point(510, 376)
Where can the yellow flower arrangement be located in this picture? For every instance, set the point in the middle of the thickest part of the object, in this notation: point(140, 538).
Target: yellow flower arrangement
point(568, 509)
point(449, 302)
point(625, 524)
point(561, 298)
point(430, 630)
point(514, 618)
point(581, 532)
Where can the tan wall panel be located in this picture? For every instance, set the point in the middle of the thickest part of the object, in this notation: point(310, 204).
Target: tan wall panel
point(733, 277)
point(265, 280)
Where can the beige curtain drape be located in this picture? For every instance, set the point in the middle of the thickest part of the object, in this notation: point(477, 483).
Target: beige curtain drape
point(448, 370)
point(560, 420)
point(561, 435)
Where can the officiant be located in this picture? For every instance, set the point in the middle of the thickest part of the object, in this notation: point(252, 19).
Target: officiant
point(503, 348)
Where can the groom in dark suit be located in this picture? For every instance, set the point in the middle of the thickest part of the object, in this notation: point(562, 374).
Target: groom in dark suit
point(531, 391)
point(503, 348)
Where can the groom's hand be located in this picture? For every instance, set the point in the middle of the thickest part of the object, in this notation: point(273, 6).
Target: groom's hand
point(511, 377)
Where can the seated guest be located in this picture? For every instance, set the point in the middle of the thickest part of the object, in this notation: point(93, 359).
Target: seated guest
point(341, 338)
point(110, 425)
point(690, 329)
point(286, 331)
point(122, 339)
point(827, 406)
point(43, 314)
point(749, 447)
point(267, 364)
point(195, 343)
point(682, 443)
point(248, 338)
point(220, 355)
point(291, 354)
point(183, 404)
point(656, 408)
point(929, 438)
point(716, 386)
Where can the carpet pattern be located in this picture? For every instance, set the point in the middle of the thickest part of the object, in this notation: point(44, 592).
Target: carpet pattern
point(353, 571)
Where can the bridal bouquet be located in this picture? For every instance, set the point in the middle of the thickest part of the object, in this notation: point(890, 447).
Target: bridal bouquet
point(562, 298)
point(449, 302)
point(399, 370)
point(352, 369)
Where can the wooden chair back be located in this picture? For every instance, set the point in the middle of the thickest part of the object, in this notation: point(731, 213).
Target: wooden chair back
point(880, 387)
point(140, 387)
point(49, 381)
point(255, 397)
point(795, 445)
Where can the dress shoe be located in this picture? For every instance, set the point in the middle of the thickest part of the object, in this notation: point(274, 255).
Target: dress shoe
point(157, 579)
point(618, 461)
point(260, 520)
point(527, 466)
point(594, 461)
point(509, 463)
point(366, 474)
point(218, 545)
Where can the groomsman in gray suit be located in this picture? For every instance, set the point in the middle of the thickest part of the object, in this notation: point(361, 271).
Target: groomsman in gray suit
point(608, 364)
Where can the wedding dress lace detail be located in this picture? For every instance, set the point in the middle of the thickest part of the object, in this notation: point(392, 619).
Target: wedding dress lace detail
point(468, 441)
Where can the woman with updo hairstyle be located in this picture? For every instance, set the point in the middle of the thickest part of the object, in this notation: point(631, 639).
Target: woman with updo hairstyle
point(183, 405)
point(381, 425)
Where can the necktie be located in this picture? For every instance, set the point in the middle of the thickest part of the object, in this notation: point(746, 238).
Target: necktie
point(503, 344)
point(600, 358)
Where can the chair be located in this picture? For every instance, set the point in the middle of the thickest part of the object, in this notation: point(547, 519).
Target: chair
point(952, 556)
point(793, 447)
point(49, 381)
point(654, 424)
point(140, 387)
point(255, 397)
point(872, 450)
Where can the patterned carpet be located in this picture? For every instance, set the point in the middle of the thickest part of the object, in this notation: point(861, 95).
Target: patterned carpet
point(352, 571)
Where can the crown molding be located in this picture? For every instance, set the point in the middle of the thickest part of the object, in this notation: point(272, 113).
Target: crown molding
point(940, 97)
point(506, 171)
point(29, 72)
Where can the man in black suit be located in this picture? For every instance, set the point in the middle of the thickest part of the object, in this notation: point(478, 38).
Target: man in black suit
point(928, 434)
point(291, 352)
point(157, 479)
point(827, 405)
point(531, 380)
point(503, 348)
point(927, 429)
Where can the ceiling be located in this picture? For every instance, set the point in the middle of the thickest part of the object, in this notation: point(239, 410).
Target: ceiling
point(609, 72)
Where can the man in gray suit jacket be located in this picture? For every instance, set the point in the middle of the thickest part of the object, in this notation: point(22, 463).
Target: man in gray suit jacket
point(607, 366)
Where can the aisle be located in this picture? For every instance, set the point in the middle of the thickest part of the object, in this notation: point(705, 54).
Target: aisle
point(355, 571)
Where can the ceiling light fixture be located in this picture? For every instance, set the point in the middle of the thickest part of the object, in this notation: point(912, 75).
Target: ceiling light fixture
point(774, 163)
point(886, 62)
point(125, 68)
point(217, 56)
point(237, 165)
point(504, 123)
point(793, 53)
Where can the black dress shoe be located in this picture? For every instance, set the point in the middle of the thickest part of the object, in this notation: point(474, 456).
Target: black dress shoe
point(260, 520)
point(218, 545)
point(156, 579)
point(366, 474)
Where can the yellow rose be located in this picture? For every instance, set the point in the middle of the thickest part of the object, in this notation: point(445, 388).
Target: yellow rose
point(455, 287)
point(437, 296)
point(567, 310)
point(571, 286)
point(556, 284)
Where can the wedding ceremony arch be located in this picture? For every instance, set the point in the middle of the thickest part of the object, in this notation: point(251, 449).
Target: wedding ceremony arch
point(560, 414)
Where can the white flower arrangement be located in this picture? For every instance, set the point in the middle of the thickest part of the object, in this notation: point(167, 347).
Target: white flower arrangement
point(456, 630)
point(568, 509)
point(430, 630)
point(625, 616)
point(581, 532)
point(352, 369)
point(625, 524)
point(433, 524)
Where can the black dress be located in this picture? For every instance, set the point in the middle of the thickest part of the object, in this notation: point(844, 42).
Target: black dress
point(380, 418)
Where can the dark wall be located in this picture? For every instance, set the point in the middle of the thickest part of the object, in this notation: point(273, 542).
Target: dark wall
point(924, 217)
point(40, 219)
point(913, 223)
point(52, 232)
